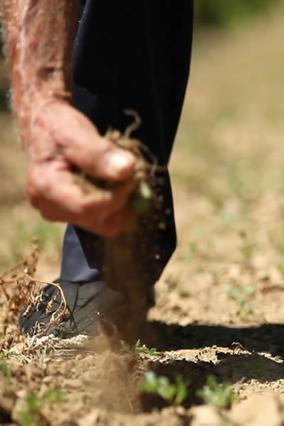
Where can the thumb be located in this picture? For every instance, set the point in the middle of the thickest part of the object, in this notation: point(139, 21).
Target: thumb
point(97, 156)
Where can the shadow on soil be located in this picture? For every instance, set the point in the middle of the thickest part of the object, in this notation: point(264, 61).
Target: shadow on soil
point(263, 338)
point(235, 366)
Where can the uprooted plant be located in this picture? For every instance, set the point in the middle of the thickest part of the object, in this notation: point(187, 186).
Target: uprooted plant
point(20, 289)
point(142, 192)
point(138, 349)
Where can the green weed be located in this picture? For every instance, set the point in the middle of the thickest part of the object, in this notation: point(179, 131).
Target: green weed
point(247, 249)
point(280, 268)
point(184, 293)
point(3, 354)
point(173, 393)
point(236, 184)
point(138, 348)
point(53, 396)
point(277, 241)
point(218, 395)
point(5, 372)
point(241, 296)
point(31, 414)
point(215, 275)
point(190, 253)
point(195, 251)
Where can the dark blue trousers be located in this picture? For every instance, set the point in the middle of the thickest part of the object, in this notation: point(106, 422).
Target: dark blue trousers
point(131, 54)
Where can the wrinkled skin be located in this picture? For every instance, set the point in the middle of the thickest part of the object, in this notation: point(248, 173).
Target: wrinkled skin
point(56, 137)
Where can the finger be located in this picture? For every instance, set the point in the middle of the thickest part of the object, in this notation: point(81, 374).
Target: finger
point(83, 146)
point(98, 157)
point(115, 224)
point(122, 221)
point(108, 226)
point(66, 202)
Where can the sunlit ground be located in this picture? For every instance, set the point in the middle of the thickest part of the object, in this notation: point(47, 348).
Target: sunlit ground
point(228, 174)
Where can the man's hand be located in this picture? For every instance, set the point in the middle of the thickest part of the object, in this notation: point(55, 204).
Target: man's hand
point(61, 139)
point(56, 137)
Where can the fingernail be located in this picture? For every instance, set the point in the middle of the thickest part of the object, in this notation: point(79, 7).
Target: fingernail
point(120, 161)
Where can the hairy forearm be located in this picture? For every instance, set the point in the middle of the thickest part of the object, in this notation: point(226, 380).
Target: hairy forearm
point(39, 37)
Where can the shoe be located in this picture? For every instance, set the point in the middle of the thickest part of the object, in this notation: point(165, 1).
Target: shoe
point(90, 309)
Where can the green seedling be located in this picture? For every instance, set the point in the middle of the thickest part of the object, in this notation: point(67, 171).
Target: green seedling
point(3, 355)
point(53, 396)
point(218, 395)
point(184, 293)
point(138, 348)
point(279, 247)
point(276, 238)
point(193, 249)
point(31, 414)
point(192, 252)
point(236, 185)
point(173, 393)
point(215, 277)
point(280, 268)
point(241, 296)
point(5, 372)
point(247, 249)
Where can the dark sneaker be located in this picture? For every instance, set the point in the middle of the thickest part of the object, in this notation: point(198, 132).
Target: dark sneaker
point(89, 309)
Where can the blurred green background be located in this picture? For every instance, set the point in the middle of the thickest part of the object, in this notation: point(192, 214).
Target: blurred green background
point(220, 14)
point(225, 13)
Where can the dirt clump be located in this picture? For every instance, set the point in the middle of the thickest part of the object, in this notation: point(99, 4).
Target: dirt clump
point(259, 410)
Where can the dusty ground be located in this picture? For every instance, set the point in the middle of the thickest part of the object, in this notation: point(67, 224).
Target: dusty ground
point(220, 302)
